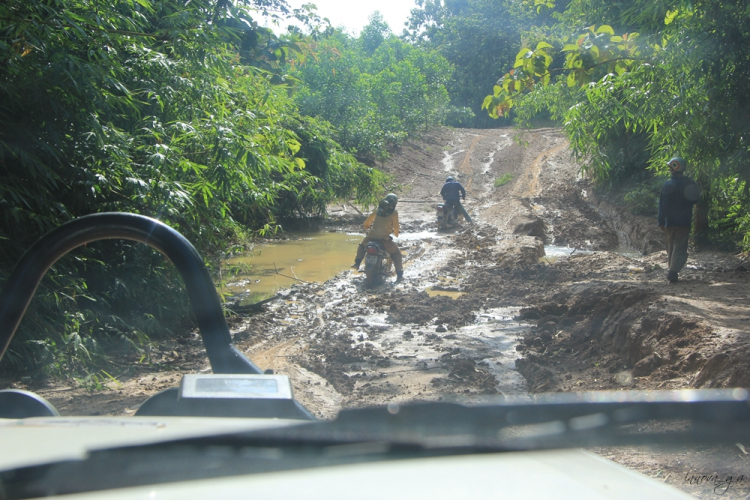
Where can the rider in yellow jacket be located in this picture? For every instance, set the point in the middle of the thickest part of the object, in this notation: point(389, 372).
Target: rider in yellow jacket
point(379, 226)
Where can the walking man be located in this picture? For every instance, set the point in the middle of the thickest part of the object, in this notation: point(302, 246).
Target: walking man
point(678, 195)
point(452, 192)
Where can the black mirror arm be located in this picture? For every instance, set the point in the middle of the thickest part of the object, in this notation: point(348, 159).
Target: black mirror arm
point(28, 273)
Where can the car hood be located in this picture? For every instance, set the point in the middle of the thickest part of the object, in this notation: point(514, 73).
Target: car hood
point(559, 474)
point(33, 441)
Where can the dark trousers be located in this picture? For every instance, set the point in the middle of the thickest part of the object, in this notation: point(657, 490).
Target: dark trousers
point(677, 246)
point(459, 207)
point(389, 246)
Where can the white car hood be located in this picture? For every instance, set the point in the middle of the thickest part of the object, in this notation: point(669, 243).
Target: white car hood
point(559, 475)
point(34, 441)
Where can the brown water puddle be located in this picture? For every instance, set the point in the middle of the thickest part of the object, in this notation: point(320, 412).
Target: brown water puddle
point(307, 257)
point(447, 293)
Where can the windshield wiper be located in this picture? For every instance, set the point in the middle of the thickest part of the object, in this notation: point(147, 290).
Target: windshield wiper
point(401, 432)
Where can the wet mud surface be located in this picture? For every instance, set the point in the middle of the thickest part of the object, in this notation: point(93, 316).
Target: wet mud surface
point(521, 324)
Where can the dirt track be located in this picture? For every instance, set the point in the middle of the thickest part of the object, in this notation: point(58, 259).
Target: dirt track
point(523, 323)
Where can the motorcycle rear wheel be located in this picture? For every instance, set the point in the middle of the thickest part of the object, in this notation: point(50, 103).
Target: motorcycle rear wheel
point(369, 279)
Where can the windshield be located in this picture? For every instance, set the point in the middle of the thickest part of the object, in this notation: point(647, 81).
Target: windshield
point(470, 202)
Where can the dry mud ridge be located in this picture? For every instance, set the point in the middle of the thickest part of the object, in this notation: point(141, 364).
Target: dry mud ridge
point(521, 315)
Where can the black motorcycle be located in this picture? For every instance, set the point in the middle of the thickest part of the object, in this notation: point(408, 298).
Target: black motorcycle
point(377, 263)
point(447, 216)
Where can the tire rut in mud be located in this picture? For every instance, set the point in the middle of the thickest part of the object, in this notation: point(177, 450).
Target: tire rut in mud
point(417, 307)
point(357, 364)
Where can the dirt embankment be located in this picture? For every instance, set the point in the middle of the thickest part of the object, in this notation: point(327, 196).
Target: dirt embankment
point(638, 232)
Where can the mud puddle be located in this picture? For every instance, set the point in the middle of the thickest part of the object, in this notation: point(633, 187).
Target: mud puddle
point(308, 257)
point(553, 253)
point(311, 257)
point(382, 357)
point(434, 291)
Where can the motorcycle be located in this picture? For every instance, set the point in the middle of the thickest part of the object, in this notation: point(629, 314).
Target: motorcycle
point(447, 216)
point(377, 263)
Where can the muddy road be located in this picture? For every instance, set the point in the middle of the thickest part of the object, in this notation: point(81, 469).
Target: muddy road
point(550, 289)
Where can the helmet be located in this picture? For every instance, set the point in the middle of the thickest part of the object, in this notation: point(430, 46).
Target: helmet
point(449, 179)
point(387, 205)
point(677, 164)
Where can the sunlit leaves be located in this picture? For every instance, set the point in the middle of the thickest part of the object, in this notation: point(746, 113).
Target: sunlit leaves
point(531, 66)
point(588, 57)
point(540, 5)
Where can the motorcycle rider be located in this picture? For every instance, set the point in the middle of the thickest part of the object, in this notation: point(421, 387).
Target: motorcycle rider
point(379, 226)
point(452, 192)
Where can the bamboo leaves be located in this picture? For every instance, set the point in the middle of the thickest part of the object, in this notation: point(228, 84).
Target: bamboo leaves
point(593, 54)
point(176, 110)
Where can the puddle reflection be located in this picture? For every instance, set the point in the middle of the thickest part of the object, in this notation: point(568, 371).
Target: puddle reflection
point(309, 257)
point(447, 293)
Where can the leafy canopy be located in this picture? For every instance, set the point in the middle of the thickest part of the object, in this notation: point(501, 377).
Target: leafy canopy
point(628, 102)
point(375, 89)
point(176, 110)
point(475, 37)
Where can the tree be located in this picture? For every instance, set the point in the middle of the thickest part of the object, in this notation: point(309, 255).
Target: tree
point(678, 88)
point(373, 100)
point(374, 33)
point(176, 110)
point(474, 36)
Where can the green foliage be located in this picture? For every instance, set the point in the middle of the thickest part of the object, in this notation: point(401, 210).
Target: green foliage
point(730, 218)
point(176, 110)
point(474, 36)
point(503, 179)
point(596, 53)
point(628, 103)
point(644, 200)
point(374, 34)
point(460, 116)
point(375, 89)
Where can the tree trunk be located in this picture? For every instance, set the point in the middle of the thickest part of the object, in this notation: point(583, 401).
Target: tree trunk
point(700, 225)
